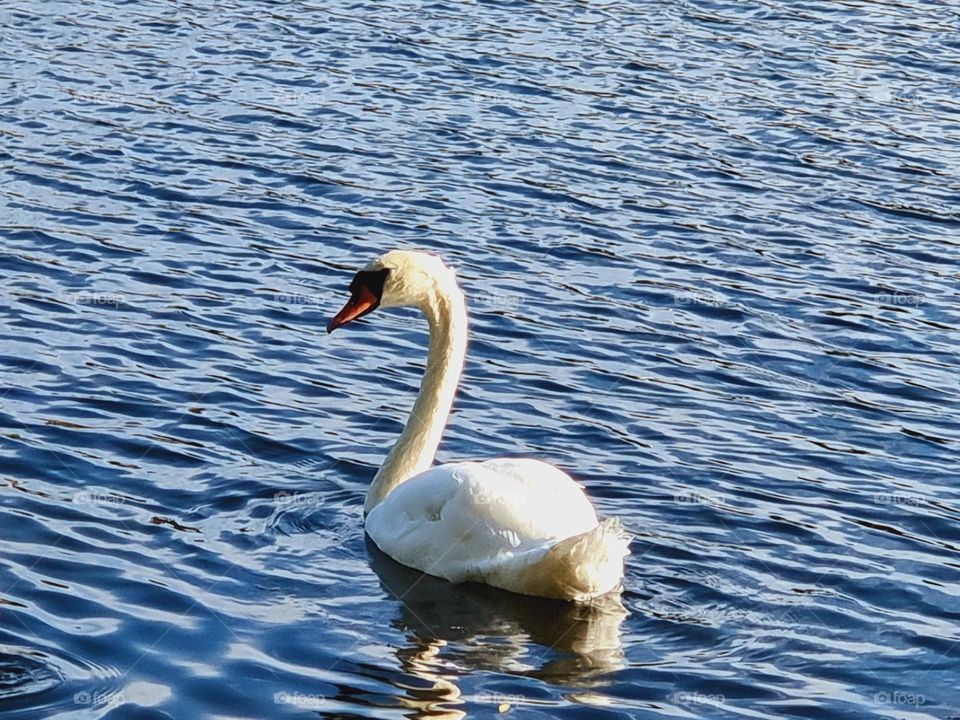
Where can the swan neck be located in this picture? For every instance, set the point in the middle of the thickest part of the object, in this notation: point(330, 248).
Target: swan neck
point(417, 445)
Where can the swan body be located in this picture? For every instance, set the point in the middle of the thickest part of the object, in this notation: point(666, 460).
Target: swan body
point(514, 523)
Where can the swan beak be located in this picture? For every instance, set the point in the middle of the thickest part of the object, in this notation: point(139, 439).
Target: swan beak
point(361, 301)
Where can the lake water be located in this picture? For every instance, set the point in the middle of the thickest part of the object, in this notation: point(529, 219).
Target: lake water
point(711, 253)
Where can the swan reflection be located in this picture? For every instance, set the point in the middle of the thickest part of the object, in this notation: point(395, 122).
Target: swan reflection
point(453, 629)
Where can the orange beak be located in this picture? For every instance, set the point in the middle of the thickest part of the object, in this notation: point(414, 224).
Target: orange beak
point(360, 303)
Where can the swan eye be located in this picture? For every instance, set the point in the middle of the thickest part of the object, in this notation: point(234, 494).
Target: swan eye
point(372, 280)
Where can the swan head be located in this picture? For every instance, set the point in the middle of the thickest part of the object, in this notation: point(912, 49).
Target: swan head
point(399, 278)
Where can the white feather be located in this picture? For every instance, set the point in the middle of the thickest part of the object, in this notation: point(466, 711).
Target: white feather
point(495, 522)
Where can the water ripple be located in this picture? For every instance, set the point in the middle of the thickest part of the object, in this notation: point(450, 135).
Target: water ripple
point(710, 253)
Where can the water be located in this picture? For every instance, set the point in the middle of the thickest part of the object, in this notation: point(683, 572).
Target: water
point(711, 254)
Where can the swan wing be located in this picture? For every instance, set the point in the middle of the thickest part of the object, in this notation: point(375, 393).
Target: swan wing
point(460, 520)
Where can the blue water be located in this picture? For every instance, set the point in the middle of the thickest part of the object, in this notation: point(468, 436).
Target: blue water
point(711, 252)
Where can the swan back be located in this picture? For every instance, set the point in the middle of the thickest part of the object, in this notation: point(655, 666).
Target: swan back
point(519, 524)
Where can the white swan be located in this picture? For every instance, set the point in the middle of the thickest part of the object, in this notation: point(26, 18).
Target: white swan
point(517, 524)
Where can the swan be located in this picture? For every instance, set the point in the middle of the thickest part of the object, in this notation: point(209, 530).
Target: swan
point(515, 523)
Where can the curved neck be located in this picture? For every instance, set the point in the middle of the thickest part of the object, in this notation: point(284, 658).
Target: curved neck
point(417, 445)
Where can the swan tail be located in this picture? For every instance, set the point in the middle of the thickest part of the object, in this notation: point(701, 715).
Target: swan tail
point(592, 563)
point(579, 568)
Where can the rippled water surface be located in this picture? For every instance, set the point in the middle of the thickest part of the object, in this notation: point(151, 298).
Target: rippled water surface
point(711, 251)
